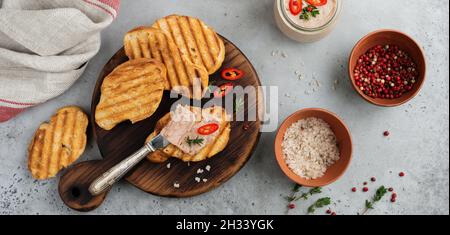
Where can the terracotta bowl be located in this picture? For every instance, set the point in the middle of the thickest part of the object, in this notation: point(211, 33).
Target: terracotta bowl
point(344, 141)
point(405, 43)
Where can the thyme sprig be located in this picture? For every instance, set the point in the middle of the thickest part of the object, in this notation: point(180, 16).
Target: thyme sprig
point(308, 12)
point(304, 196)
point(196, 141)
point(322, 202)
point(379, 194)
point(295, 190)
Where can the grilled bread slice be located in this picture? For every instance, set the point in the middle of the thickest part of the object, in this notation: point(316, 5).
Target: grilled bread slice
point(183, 76)
point(208, 151)
point(196, 40)
point(132, 91)
point(57, 144)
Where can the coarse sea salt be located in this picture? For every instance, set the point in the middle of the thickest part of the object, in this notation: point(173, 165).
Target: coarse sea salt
point(309, 148)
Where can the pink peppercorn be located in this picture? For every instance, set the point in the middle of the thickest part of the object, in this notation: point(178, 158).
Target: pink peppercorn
point(385, 72)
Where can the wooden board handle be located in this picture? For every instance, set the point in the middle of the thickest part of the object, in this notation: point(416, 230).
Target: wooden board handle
point(74, 184)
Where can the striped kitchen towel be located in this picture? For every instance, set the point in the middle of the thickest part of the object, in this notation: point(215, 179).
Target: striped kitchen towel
point(45, 46)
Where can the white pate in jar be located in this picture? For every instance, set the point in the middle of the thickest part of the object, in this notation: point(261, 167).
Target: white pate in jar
point(309, 23)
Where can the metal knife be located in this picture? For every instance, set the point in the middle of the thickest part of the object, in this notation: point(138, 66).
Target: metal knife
point(107, 179)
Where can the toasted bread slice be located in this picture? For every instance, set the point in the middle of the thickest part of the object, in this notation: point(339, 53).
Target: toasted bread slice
point(208, 151)
point(132, 91)
point(195, 39)
point(183, 76)
point(57, 144)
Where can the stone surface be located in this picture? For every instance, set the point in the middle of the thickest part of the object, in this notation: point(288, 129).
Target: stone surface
point(418, 144)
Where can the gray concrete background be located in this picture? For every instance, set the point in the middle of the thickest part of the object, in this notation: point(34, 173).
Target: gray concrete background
point(418, 145)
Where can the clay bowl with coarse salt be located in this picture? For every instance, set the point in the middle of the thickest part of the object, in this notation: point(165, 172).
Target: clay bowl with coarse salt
point(344, 142)
point(406, 44)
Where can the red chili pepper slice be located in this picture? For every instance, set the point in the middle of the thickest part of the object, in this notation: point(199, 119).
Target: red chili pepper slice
point(208, 129)
point(223, 90)
point(317, 3)
point(295, 6)
point(232, 74)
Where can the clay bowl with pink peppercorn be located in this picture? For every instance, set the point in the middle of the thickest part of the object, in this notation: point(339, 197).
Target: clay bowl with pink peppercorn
point(396, 50)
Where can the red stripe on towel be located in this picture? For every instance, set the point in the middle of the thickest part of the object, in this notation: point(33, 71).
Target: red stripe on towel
point(100, 7)
point(115, 4)
point(7, 113)
point(16, 103)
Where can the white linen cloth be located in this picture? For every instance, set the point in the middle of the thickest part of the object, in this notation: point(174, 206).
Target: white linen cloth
point(45, 46)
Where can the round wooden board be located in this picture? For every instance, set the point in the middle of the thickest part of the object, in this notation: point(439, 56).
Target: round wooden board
point(157, 179)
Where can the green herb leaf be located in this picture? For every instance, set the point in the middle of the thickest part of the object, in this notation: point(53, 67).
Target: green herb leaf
point(290, 198)
point(369, 205)
point(319, 204)
point(195, 141)
point(311, 209)
point(311, 192)
point(296, 188)
point(315, 190)
point(315, 13)
point(308, 12)
point(304, 196)
point(323, 202)
point(380, 193)
point(304, 16)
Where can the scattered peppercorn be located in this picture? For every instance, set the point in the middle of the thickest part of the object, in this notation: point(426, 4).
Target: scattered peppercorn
point(365, 183)
point(391, 189)
point(401, 174)
point(373, 179)
point(333, 213)
point(354, 189)
point(365, 189)
point(386, 133)
point(328, 211)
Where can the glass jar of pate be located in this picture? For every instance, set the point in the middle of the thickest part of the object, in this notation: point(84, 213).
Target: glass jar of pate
point(311, 24)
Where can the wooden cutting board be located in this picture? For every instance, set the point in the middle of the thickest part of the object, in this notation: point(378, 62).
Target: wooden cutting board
point(158, 179)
